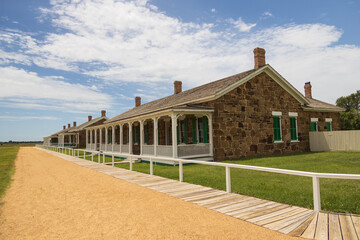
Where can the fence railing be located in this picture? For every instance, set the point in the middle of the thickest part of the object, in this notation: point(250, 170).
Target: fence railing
point(315, 176)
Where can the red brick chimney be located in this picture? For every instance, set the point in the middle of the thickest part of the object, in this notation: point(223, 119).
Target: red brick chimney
point(103, 113)
point(137, 101)
point(259, 57)
point(89, 118)
point(64, 127)
point(177, 87)
point(308, 90)
point(74, 124)
point(69, 125)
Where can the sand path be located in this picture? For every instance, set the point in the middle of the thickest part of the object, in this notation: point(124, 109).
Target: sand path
point(51, 198)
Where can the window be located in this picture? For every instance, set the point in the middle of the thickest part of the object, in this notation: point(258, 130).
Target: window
point(194, 132)
point(293, 130)
point(136, 134)
point(203, 129)
point(277, 126)
point(183, 128)
point(314, 124)
point(109, 135)
point(328, 124)
point(146, 134)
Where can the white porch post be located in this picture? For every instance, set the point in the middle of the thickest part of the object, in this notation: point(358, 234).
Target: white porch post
point(210, 134)
point(112, 138)
point(141, 136)
point(91, 138)
point(130, 138)
point(155, 121)
point(95, 142)
point(106, 138)
point(121, 136)
point(100, 139)
point(87, 139)
point(174, 134)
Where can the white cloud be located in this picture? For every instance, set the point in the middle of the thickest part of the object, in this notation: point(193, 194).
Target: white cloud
point(213, 10)
point(241, 25)
point(20, 88)
point(20, 118)
point(120, 41)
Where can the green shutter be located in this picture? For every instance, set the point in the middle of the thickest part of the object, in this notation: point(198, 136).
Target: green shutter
point(205, 129)
point(293, 135)
point(146, 134)
point(313, 127)
point(133, 134)
point(158, 133)
point(186, 130)
point(194, 135)
point(138, 134)
point(328, 126)
point(277, 130)
point(177, 132)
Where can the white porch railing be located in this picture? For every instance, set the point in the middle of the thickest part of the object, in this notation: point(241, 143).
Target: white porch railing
point(193, 149)
point(315, 176)
point(165, 151)
point(116, 147)
point(148, 149)
point(125, 148)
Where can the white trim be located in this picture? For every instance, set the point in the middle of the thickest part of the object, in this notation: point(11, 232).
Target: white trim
point(328, 119)
point(293, 114)
point(307, 109)
point(276, 113)
point(314, 119)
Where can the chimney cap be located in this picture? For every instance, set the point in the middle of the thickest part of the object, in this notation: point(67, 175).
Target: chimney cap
point(307, 83)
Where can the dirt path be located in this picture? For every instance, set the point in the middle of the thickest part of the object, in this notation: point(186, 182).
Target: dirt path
point(51, 198)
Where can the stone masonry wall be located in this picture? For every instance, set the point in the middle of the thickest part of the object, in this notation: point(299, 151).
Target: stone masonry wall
point(243, 121)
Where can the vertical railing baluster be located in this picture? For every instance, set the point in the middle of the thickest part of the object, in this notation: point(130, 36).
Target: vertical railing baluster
point(228, 179)
point(316, 194)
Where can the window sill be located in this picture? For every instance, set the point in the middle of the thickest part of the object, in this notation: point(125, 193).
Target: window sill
point(278, 141)
point(294, 141)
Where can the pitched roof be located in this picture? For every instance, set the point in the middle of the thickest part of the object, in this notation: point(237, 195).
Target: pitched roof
point(86, 124)
point(182, 98)
point(216, 88)
point(317, 104)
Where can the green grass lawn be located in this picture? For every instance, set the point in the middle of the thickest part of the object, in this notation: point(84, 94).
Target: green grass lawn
point(337, 195)
point(7, 157)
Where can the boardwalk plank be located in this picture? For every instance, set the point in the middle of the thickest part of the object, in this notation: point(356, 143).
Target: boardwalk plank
point(322, 230)
point(278, 217)
point(283, 222)
point(334, 227)
point(272, 214)
point(293, 224)
point(264, 211)
point(347, 227)
point(356, 221)
point(297, 232)
point(248, 210)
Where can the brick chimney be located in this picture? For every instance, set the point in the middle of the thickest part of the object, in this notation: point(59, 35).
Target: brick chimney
point(137, 101)
point(69, 125)
point(74, 124)
point(89, 118)
point(259, 57)
point(177, 87)
point(64, 127)
point(308, 90)
point(103, 113)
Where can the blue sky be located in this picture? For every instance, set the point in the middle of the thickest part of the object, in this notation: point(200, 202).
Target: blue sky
point(62, 60)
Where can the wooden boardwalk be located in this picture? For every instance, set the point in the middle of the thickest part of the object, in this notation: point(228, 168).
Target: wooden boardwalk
point(291, 220)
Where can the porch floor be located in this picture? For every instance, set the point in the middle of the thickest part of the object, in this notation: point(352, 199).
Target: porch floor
point(291, 220)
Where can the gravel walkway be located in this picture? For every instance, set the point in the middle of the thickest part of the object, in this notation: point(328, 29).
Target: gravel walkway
point(51, 198)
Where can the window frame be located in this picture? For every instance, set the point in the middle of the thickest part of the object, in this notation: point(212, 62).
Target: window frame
point(328, 123)
point(314, 120)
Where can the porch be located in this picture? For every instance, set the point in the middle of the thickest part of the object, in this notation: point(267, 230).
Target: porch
point(179, 133)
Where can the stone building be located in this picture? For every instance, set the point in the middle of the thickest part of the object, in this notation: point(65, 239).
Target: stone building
point(256, 112)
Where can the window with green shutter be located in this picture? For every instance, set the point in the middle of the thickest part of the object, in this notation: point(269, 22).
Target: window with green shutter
point(178, 132)
point(277, 128)
point(293, 130)
point(314, 126)
point(109, 135)
point(328, 126)
point(186, 131)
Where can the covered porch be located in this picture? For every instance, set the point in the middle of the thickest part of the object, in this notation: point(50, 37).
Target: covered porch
point(68, 140)
point(180, 133)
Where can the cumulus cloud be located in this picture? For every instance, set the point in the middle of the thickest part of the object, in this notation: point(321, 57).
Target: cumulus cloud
point(122, 41)
point(241, 25)
point(24, 89)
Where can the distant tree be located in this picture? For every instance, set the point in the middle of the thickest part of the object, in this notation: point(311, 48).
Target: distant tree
point(350, 119)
